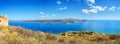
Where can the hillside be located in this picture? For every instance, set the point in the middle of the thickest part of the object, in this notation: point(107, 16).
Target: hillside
point(69, 20)
point(18, 35)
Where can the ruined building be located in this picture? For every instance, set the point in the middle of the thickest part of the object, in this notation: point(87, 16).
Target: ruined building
point(3, 20)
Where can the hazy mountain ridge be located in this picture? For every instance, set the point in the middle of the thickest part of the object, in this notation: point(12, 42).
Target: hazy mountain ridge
point(69, 20)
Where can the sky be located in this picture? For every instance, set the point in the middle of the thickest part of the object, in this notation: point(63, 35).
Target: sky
point(60, 9)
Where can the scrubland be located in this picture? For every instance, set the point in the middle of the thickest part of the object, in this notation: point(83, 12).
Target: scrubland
point(18, 35)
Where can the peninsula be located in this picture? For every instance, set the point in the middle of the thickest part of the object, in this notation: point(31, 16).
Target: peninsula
point(68, 20)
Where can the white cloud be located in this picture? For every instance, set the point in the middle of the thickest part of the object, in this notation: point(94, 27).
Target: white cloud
point(59, 2)
point(91, 1)
point(63, 8)
point(112, 8)
point(45, 16)
point(42, 13)
point(94, 9)
point(99, 8)
point(86, 11)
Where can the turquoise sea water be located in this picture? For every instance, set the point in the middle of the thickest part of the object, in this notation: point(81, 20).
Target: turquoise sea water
point(102, 26)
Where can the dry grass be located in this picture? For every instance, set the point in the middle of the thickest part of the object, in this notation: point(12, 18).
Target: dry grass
point(18, 35)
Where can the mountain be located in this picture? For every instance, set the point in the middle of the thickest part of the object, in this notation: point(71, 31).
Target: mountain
point(69, 20)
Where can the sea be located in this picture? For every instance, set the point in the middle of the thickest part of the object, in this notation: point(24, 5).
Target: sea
point(100, 26)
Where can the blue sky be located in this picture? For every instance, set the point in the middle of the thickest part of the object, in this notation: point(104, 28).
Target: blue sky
point(60, 9)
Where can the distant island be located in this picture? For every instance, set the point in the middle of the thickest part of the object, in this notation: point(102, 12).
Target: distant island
point(69, 20)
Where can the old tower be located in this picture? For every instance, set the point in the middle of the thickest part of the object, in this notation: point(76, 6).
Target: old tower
point(3, 20)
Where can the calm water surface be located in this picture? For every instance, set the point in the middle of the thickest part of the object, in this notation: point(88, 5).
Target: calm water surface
point(108, 27)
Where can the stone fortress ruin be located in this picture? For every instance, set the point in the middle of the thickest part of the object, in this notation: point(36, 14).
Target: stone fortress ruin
point(3, 21)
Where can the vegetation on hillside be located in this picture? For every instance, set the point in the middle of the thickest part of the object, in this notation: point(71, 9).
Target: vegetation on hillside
point(18, 35)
